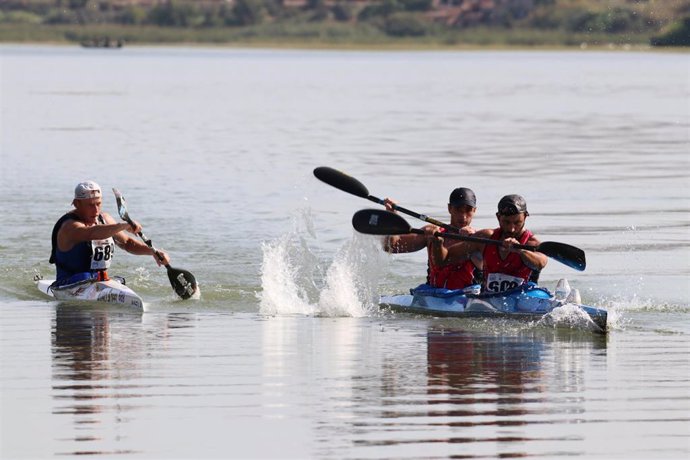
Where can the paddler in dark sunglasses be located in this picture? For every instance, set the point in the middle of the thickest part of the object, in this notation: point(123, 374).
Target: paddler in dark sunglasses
point(462, 206)
point(505, 266)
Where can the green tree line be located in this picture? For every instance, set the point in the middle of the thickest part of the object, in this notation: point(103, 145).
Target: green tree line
point(666, 22)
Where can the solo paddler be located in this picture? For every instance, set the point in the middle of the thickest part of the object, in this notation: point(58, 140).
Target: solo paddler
point(505, 266)
point(84, 239)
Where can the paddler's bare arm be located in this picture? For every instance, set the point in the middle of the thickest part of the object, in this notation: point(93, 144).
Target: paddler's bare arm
point(534, 260)
point(407, 243)
point(397, 244)
point(73, 232)
point(458, 252)
point(134, 245)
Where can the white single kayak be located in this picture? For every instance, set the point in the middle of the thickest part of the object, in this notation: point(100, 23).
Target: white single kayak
point(111, 292)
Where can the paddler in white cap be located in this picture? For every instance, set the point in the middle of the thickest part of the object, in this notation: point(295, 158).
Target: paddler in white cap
point(83, 240)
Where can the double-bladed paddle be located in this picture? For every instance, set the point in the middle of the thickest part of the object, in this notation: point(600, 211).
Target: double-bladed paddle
point(351, 185)
point(182, 281)
point(380, 222)
point(564, 253)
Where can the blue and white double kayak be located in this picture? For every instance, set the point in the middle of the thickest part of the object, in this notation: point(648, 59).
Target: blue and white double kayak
point(111, 292)
point(529, 302)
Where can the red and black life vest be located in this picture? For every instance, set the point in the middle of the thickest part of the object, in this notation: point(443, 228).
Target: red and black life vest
point(503, 274)
point(452, 276)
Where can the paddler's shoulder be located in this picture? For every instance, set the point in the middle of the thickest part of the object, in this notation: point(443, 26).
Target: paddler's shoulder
point(484, 233)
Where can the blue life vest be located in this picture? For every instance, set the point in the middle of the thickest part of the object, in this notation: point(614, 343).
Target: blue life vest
point(77, 262)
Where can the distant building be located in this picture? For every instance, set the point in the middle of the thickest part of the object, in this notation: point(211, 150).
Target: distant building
point(462, 13)
point(151, 3)
point(329, 3)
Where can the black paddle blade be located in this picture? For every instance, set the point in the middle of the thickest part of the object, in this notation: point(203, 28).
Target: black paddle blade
point(379, 222)
point(182, 282)
point(121, 205)
point(341, 181)
point(564, 253)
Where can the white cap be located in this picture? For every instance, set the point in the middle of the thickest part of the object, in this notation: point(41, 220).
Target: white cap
point(87, 190)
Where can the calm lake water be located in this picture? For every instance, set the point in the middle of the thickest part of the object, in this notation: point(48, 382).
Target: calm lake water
point(286, 355)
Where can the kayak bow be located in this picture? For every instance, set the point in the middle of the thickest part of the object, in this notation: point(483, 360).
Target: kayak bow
point(111, 292)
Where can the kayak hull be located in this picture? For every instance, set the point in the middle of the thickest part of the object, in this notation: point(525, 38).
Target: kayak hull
point(111, 292)
point(532, 304)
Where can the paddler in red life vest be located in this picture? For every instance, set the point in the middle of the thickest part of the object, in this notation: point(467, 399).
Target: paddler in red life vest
point(462, 205)
point(505, 267)
point(83, 239)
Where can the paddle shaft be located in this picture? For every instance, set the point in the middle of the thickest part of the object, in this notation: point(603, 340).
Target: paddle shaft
point(379, 222)
point(475, 239)
point(146, 240)
point(349, 184)
point(425, 218)
point(155, 251)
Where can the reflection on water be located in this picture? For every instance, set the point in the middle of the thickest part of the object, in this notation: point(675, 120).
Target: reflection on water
point(101, 361)
point(506, 371)
point(199, 385)
point(461, 363)
point(91, 367)
point(488, 393)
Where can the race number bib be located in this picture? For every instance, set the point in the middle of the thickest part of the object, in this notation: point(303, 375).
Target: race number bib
point(499, 282)
point(102, 253)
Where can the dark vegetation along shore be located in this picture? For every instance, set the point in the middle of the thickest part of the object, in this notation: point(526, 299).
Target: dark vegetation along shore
point(350, 23)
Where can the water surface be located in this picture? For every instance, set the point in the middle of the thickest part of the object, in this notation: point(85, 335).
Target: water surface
point(286, 355)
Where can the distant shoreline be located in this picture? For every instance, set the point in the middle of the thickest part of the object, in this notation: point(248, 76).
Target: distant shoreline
point(271, 45)
point(297, 46)
point(323, 37)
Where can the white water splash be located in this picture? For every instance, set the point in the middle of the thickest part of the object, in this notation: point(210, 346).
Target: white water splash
point(293, 281)
point(569, 315)
point(352, 278)
point(636, 303)
point(282, 293)
point(142, 276)
point(622, 307)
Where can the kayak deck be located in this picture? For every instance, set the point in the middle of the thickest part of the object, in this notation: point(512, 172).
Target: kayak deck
point(111, 292)
point(532, 304)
